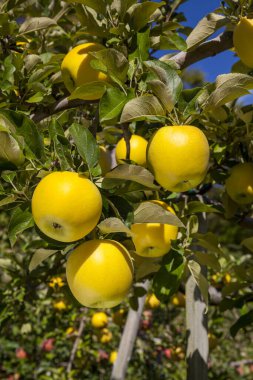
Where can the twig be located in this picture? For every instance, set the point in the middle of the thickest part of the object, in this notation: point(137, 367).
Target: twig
point(75, 346)
point(61, 105)
point(241, 362)
point(207, 49)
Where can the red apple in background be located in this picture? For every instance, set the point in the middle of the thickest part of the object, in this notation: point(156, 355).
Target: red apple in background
point(48, 344)
point(21, 353)
point(167, 353)
point(102, 355)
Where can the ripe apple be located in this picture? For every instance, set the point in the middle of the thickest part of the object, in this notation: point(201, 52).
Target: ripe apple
point(66, 206)
point(152, 301)
point(99, 273)
point(243, 34)
point(167, 353)
point(48, 344)
point(77, 71)
point(154, 239)
point(99, 320)
point(178, 156)
point(138, 147)
point(239, 185)
point(21, 353)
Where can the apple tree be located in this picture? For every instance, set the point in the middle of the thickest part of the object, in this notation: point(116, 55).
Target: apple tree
point(59, 117)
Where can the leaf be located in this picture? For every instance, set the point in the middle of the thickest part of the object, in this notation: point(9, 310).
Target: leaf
point(36, 98)
point(114, 61)
point(10, 150)
point(149, 212)
point(167, 280)
point(98, 5)
point(195, 207)
point(86, 144)
point(19, 222)
point(8, 200)
point(134, 173)
point(248, 243)
point(244, 321)
point(205, 28)
point(200, 280)
point(140, 14)
point(208, 241)
point(89, 91)
point(228, 88)
point(168, 86)
point(111, 225)
point(61, 144)
point(91, 23)
point(141, 108)
point(121, 6)
point(36, 23)
point(39, 256)
point(112, 103)
point(208, 259)
point(26, 328)
point(143, 46)
point(23, 126)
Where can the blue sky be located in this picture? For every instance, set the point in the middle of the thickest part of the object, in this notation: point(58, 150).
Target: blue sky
point(194, 10)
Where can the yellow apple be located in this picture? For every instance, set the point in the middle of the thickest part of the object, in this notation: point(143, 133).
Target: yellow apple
point(99, 320)
point(138, 146)
point(77, 71)
point(239, 185)
point(105, 336)
point(242, 38)
point(178, 156)
point(178, 299)
point(113, 356)
point(99, 273)
point(106, 159)
point(154, 239)
point(66, 206)
point(152, 301)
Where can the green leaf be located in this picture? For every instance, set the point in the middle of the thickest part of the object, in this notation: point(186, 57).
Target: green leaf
point(98, 5)
point(36, 98)
point(91, 23)
point(140, 14)
point(200, 280)
point(167, 280)
point(114, 61)
point(112, 103)
point(19, 222)
point(205, 28)
point(39, 256)
point(149, 212)
point(208, 241)
point(62, 147)
point(228, 88)
point(89, 91)
point(36, 23)
point(121, 6)
point(141, 109)
point(248, 243)
point(195, 207)
point(7, 200)
point(134, 173)
point(168, 86)
point(10, 150)
point(208, 259)
point(25, 127)
point(111, 225)
point(143, 46)
point(86, 144)
point(243, 322)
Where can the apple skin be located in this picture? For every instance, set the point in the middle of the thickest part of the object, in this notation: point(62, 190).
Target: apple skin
point(178, 156)
point(48, 344)
point(66, 206)
point(154, 239)
point(21, 353)
point(167, 353)
point(239, 185)
point(77, 71)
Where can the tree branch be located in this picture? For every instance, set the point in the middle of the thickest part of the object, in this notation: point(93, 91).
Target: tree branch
point(207, 49)
point(75, 345)
point(61, 105)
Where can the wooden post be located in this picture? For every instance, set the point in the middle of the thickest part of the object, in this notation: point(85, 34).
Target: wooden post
point(128, 338)
point(196, 325)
